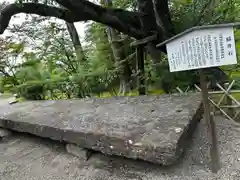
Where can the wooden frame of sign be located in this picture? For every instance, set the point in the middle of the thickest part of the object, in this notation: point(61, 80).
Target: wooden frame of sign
point(200, 48)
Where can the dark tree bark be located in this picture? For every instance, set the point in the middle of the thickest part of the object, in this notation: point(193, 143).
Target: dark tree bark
point(76, 42)
point(135, 24)
point(140, 67)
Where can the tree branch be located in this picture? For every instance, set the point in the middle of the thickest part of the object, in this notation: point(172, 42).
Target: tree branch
point(76, 42)
point(121, 20)
point(124, 21)
point(39, 9)
point(163, 16)
point(148, 21)
point(135, 24)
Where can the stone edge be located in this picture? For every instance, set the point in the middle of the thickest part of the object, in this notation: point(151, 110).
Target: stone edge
point(63, 135)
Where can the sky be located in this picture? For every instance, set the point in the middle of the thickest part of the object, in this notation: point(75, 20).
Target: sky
point(20, 18)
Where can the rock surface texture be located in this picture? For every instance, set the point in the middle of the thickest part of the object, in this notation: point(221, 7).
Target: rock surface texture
point(79, 152)
point(4, 133)
point(150, 128)
point(26, 157)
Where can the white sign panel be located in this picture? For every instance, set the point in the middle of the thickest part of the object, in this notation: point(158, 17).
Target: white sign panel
point(201, 49)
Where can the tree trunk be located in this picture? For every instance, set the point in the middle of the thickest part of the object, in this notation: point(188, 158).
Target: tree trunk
point(141, 69)
point(76, 42)
point(114, 39)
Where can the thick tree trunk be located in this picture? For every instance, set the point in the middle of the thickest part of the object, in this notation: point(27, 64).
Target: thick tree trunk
point(114, 39)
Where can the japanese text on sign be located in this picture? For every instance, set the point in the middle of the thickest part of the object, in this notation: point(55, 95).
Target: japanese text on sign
point(201, 49)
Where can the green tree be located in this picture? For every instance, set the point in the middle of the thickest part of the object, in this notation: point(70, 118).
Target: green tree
point(107, 59)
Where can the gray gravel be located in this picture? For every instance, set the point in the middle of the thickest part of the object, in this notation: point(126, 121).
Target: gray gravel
point(30, 158)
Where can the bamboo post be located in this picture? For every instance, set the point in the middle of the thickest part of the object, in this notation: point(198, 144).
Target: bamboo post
point(228, 102)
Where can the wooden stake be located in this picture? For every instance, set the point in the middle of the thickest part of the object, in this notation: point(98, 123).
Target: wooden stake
point(208, 117)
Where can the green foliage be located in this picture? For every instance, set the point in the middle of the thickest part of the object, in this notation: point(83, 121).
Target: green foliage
point(195, 13)
point(1, 85)
point(50, 69)
point(99, 49)
point(32, 90)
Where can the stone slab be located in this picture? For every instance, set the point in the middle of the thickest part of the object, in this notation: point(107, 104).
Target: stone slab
point(25, 157)
point(77, 151)
point(150, 128)
point(4, 133)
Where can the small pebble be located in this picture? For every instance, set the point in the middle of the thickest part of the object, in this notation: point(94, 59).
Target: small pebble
point(130, 141)
point(178, 130)
point(138, 144)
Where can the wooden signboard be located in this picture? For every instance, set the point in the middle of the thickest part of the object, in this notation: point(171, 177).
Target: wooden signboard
point(202, 48)
point(199, 48)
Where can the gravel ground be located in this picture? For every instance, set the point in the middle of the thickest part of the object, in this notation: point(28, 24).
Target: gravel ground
point(24, 157)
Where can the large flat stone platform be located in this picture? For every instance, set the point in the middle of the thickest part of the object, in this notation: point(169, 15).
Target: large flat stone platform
point(24, 157)
point(150, 128)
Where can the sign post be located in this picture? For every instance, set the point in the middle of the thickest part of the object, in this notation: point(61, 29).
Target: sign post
point(200, 48)
point(210, 123)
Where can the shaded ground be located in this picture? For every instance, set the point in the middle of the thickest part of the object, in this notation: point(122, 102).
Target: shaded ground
point(30, 158)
